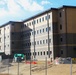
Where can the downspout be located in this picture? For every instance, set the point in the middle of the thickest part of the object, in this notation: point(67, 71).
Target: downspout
point(48, 35)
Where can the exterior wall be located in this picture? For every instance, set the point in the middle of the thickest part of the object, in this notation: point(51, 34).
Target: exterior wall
point(71, 31)
point(5, 38)
point(16, 38)
point(67, 32)
point(11, 38)
point(2, 40)
point(39, 40)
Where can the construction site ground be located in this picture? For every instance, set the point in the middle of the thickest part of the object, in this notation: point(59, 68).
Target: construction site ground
point(39, 69)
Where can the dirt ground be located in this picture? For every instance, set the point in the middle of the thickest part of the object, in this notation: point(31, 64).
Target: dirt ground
point(40, 69)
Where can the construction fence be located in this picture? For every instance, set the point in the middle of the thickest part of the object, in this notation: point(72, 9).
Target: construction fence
point(31, 67)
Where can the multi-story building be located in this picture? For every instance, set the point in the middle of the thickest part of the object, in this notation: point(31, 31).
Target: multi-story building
point(48, 34)
point(10, 38)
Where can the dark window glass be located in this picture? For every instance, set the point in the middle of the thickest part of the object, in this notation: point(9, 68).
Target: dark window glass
point(40, 30)
point(49, 40)
point(37, 31)
point(41, 53)
point(60, 27)
point(43, 41)
point(40, 19)
point(60, 14)
point(46, 17)
point(47, 52)
point(37, 20)
point(61, 51)
point(34, 22)
point(49, 28)
point(12, 42)
point(30, 23)
point(43, 19)
point(46, 29)
point(46, 41)
point(49, 16)
point(38, 53)
point(40, 42)
point(43, 30)
point(61, 39)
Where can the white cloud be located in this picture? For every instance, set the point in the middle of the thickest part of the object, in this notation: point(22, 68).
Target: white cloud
point(30, 5)
point(45, 2)
point(14, 7)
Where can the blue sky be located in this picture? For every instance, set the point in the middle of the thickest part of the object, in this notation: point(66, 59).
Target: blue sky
point(18, 10)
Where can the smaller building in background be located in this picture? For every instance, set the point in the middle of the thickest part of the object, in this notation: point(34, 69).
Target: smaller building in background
point(10, 38)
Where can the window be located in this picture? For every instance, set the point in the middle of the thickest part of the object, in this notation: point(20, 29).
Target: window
point(43, 41)
point(34, 22)
point(38, 42)
point(49, 16)
point(50, 52)
point(30, 43)
point(49, 28)
point(12, 33)
point(25, 25)
point(30, 23)
point(49, 40)
point(0, 47)
point(41, 53)
point(44, 52)
point(8, 45)
point(37, 20)
point(38, 53)
point(32, 32)
point(43, 19)
point(12, 42)
point(60, 14)
point(46, 29)
point(0, 39)
point(61, 39)
point(40, 19)
point(35, 53)
point(47, 52)
point(40, 30)
point(35, 42)
point(43, 30)
point(46, 41)
point(61, 51)
point(60, 26)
